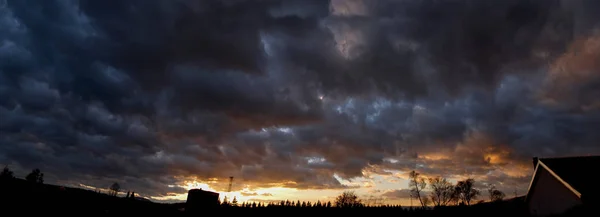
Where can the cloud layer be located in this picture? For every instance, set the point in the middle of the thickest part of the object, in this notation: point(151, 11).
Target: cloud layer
point(292, 92)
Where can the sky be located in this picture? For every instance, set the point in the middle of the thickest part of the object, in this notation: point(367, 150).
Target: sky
point(296, 99)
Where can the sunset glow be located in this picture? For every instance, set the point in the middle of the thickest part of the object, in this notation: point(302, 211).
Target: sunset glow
point(295, 99)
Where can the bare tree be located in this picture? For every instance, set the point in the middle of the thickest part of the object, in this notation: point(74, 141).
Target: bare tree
point(455, 196)
point(466, 190)
point(114, 189)
point(417, 184)
point(441, 191)
point(347, 199)
point(495, 194)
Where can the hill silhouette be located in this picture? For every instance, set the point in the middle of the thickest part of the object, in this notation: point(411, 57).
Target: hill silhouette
point(29, 198)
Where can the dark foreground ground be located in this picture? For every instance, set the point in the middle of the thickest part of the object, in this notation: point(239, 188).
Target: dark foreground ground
point(18, 197)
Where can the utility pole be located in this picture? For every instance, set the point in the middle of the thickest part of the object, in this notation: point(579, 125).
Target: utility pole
point(230, 183)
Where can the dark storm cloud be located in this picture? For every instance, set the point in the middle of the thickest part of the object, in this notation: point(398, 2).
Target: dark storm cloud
point(393, 46)
point(291, 93)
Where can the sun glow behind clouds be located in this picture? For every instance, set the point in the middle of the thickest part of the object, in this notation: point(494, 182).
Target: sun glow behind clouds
point(246, 194)
point(364, 187)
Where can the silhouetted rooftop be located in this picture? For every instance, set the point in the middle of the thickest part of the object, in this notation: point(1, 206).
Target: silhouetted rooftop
point(576, 171)
point(200, 191)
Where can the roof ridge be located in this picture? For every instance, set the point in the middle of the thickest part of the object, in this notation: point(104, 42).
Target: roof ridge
point(561, 179)
point(563, 157)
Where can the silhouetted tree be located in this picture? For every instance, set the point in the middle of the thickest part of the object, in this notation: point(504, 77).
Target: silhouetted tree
point(441, 191)
point(495, 194)
point(347, 199)
point(114, 189)
point(417, 184)
point(455, 196)
point(234, 202)
point(466, 190)
point(328, 204)
point(318, 203)
point(132, 196)
point(36, 176)
point(6, 174)
point(225, 201)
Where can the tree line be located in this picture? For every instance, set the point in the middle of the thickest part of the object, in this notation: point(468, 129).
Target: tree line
point(443, 193)
point(283, 203)
point(348, 199)
point(36, 176)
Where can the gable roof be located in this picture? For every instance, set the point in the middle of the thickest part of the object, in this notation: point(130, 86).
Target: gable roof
point(576, 173)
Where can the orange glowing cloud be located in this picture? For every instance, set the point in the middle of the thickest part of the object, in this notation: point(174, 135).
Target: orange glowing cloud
point(579, 62)
point(435, 156)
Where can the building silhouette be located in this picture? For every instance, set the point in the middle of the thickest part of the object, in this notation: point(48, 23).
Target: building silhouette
point(199, 200)
point(561, 184)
